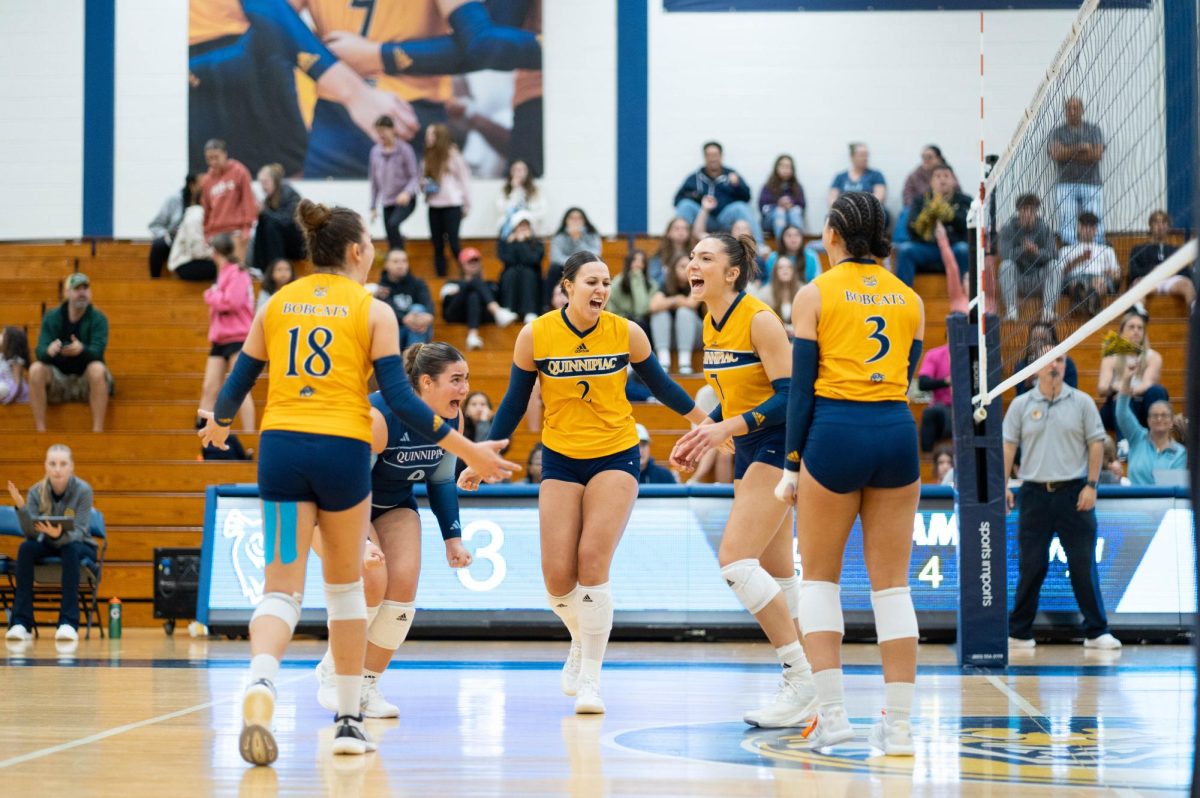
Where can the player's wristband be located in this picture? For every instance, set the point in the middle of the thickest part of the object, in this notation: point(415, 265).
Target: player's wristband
point(486, 45)
point(800, 399)
point(443, 501)
point(717, 415)
point(439, 55)
point(514, 404)
point(240, 382)
point(398, 393)
point(914, 358)
point(774, 410)
point(665, 389)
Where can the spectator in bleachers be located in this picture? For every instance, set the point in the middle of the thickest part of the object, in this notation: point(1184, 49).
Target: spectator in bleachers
point(59, 494)
point(675, 316)
point(1152, 447)
point(781, 199)
point(394, 178)
point(191, 256)
point(676, 240)
point(521, 281)
point(477, 416)
point(277, 276)
point(942, 203)
point(165, 223)
point(70, 356)
point(632, 290)
point(471, 299)
point(1077, 147)
point(227, 197)
point(943, 465)
point(780, 290)
point(716, 465)
point(520, 192)
point(919, 180)
point(446, 183)
point(278, 234)
point(1042, 334)
point(791, 245)
point(1027, 261)
point(575, 234)
point(14, 366)
point(1111, 470)
point(720, 191)
point(1089, 268)
point(859, 177)
point(533, 464)
point(1145, 257)
point(934, 378)
point(230, 311)
point(652, 472)
point(409, 298)
point(1145, 387)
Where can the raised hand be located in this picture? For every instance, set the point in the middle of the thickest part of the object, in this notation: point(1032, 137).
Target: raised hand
point(212, 434)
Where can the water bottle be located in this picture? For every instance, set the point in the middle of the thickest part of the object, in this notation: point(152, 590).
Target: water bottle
point(114, 618)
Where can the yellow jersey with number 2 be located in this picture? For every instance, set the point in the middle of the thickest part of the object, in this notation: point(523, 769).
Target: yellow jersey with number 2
point(731, 366)
point(582, 375)
point(867, 323)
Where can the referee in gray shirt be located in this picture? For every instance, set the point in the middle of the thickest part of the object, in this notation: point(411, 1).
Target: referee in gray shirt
point(1061, 438)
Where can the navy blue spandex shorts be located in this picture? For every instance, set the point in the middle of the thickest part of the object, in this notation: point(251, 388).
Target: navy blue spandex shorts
point(581, 470)
point(761, 446)
point(329, 470)
point(856, 445)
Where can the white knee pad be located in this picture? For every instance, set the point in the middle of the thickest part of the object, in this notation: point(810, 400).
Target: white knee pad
point(753, 586)
point(391, 625)
point(346, 602)
point(283, 606)
point(790, 587)
point(595, 609)
point(821, 607)
point(895, 617)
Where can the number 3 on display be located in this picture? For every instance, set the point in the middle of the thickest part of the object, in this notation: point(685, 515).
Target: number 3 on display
point(932, 572)
point(489, 553)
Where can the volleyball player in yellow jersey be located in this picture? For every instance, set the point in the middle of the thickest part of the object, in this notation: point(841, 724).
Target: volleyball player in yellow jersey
point(590, 463)
point(322, 335)
point(746, 361)
point(852, 452)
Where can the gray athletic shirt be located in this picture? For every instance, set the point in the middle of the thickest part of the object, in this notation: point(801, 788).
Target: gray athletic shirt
point(1053, 436)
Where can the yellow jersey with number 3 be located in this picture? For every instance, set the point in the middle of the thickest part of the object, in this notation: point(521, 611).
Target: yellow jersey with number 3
point(867, 324)
point(319, 346)
point(731, 366)
point(582, 376)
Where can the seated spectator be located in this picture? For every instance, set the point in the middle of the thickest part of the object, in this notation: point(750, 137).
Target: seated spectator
point(60, 493)
point(278, 234)
point(920, 179)
point(1145, 386)
point(934, 378)
point(675, 317)
point(394, 178)
point(227, 197)
point(632, 289)
point(718, 190)
point(575, 234)
point(652, 472)
point(780, 292)
point(70, 356)
point(191, 256)
point(1027, 261)
point(471, 300)
point(409, 298)
point(781, 200)
point(14, 365)
point(521, 281)
point(943, 464)
point(477, 416)
point(230, 312)
point(1111, 470)
point(942, 203)
point(1149, 450)
point(716, 465)
point(791, 246)
point(859, 177)
point(1042, 334)
point(1089, 268)
point(533, 464)
point(1145, 257)
point(166, 223)
point(280, 274)
point(676, 240)
point(520, 193)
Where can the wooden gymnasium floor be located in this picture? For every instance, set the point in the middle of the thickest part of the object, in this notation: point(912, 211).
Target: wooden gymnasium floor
point(155, 716)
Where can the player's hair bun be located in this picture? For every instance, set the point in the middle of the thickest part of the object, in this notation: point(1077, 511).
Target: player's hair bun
point(313, 215)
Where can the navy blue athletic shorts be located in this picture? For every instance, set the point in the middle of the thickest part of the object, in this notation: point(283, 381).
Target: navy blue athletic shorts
point(856, 445)
point(381, 504)
point(581, 470)
point(332, 471)
point(761, 446)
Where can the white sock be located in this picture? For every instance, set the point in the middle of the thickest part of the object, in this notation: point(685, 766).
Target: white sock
point(567, 609)
point(898, 700)
point(791, 657)
point(264, 666)
point(349, 694)
point(595, 625)
point(828, 684)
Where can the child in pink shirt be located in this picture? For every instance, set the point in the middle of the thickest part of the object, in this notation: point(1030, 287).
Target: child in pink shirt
point(230, 311)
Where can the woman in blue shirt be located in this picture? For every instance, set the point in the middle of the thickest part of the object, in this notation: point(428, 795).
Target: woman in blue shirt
point(1149, 450)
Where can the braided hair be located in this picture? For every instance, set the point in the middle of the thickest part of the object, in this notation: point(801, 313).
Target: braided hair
point(859, 218)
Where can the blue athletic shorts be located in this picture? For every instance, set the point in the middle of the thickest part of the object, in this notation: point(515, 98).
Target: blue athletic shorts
point(761, 446)
point(856, 445)
point(332, 471)
point(381, 504)
point(581, 470)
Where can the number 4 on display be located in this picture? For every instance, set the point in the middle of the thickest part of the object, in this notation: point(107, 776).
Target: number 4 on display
point(932, 572)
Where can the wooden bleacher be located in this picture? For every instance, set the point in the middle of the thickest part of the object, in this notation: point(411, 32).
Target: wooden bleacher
point(145, 470)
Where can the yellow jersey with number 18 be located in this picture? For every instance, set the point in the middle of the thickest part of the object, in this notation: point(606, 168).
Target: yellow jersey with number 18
point(867, 323)
point(319, 345)
point(731, 366)
point(582, 375)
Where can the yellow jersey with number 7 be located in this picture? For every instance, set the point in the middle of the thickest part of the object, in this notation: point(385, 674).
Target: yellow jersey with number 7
point(319, 345)
point(867, 324)
point(731, 366)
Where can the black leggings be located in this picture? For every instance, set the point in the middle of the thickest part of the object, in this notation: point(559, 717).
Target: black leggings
point(393, 216)
point(935, 425)
point(521, 289)
point(197, 271)
point(160, 252)
point(469, 305)
point(443, 225)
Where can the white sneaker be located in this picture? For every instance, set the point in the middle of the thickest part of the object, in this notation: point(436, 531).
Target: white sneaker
point(504, 317)
point(894, 738)
point(570, 671)
point(326, 686)
point(795, 704)
point(474, 341)
point(256, 743)
point(530, 318)
point(374, 705)
point(1020, 642)
point(66, 632)
point(18, 632)
point(829, 727)
point(349, 736)
point(587, 697)
point(1104, 641)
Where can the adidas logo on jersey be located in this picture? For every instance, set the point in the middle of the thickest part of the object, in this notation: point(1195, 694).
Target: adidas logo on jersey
point(581, 348)
point(405, 438)
point(587, 598)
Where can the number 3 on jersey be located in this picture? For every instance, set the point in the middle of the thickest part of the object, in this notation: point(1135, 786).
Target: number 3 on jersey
point(317, 362)
point(885, 345)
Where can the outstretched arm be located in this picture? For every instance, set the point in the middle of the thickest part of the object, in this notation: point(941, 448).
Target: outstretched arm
point(665, 389)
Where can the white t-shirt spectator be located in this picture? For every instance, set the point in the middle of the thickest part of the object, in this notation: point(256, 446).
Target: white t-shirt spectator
point(1101, 263)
